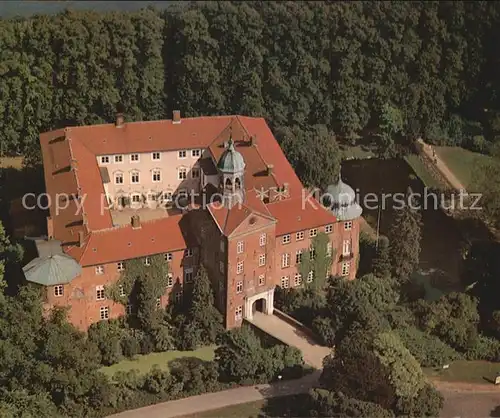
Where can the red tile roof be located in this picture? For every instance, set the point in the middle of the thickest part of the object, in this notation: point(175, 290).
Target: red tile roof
point(76, 149)
point(124, 242)
point(299, 214)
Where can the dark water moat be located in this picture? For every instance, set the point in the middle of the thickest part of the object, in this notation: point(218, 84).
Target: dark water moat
point(440, 258)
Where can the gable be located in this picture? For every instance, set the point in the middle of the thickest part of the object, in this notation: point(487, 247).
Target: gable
point(253, 222)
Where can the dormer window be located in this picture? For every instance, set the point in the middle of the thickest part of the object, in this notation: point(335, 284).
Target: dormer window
point(156, 156)
point(105, 159)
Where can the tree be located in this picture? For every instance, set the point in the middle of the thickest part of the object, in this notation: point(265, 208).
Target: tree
point(381, 264)
point(391, 123)
point(204, 322)
point(404, 237)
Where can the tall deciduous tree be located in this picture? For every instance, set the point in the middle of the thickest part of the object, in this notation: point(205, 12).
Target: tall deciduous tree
point(404, 237)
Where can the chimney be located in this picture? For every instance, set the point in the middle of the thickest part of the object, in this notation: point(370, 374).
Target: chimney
point(120, 120)
point(135, 221)
point(270, 169)
point(50, 227)
point(286, 188)
point(80, 239)
point(176, 116)
point(252, 140)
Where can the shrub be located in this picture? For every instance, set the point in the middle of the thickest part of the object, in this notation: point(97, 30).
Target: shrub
point(485, 348)
point(324, 328)
point(428, 349)
point(130, 346)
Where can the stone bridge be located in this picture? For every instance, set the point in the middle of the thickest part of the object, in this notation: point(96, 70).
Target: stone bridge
point(292, 333)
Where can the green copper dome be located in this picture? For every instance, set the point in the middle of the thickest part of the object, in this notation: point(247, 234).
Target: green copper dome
point(231, 160)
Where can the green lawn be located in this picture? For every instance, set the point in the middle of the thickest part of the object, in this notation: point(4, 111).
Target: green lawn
point(244, 410)
point(422, 172)
point(461, 162)
point(467, 371)
point(144, 363)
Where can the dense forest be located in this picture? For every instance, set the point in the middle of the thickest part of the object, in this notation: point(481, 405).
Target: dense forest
point(343, 65)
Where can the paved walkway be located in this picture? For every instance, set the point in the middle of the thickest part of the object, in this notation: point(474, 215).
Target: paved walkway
point(441, 165)
point(312, 352)
point(217, 400)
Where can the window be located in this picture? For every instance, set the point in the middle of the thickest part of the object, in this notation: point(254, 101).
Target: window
point(329, 249)
point(262, 240)
point(297, 279)
point(167, 196)
point(313, 232)
point(348, 225)
point(118, 158)
point(238, 313)
point(99, 270)
point(105, 159)
point(168, 257)
point(170, 280)
point(136, 198)
point(239, 287)
point(312, 253)
point(285, 260)
point(262, 260)
point(188, 252)
point(346, 247)
point(195, 153)
point(239, 267)
point(239, 247)
point(345, 268)
point(181, 154)
point(156, 175)
point(134, 158)
point(104, 312)
point(310, 277)
point(181, 173)
point(188, 275)
point(158, 303)
point(152, 197)
point(58, 290)
point(120, 266)
point(129, 309)
point(99, 292)
point(178, 297)
point(147, 261)
point(118, 178)
point(122, 290)
point(262, 280)
point(285, 239)
point(222, 247)
point(156, 156)
point(299, 235)
point(298, 257)
point(328, 229)
point(221, 267)
point(134, 177)
point(285, 282)
point(195, 173)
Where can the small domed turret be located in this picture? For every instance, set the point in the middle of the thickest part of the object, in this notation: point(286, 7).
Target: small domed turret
point(231, 168)
point(343, 201)
point(231, 160)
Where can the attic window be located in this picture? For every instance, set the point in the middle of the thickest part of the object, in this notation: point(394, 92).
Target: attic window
point(94, 249)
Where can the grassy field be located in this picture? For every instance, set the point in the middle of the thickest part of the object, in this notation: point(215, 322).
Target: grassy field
point(144, 363)
point(244, 410)
point(467, 371)
point(422, 172)
point(15, 162)
point(461, 162)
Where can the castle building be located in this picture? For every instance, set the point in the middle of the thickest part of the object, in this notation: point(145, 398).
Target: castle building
point(216, 191)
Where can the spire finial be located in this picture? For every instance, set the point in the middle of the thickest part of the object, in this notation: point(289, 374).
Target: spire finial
point(340, 173)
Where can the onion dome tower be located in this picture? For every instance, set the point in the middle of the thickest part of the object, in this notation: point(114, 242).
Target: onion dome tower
point(231, 168)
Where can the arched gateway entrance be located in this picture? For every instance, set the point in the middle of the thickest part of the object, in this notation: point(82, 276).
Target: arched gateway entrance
point(261, 302)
